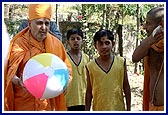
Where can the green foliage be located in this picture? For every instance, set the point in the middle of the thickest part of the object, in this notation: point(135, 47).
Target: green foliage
point(12, 26)
point(128, 9)
point(145, 8)
point(14, 15)
point(94, 17)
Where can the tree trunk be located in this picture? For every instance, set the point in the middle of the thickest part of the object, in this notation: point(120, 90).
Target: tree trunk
point(84, 26)
point(104, 17)
point(138, 23)
point(120, 40)
point(56, 11)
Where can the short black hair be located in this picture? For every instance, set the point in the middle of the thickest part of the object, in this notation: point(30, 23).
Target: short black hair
point(74, 31)
point(157, 13)
point(102, 33)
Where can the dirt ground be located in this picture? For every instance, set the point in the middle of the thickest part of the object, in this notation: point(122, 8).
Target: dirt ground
point(136, 85)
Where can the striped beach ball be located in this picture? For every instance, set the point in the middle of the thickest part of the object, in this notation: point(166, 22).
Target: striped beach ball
point(45, 76)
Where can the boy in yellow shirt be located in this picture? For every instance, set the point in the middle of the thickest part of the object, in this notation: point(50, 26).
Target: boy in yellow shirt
point(107, 77)
point(75, 95)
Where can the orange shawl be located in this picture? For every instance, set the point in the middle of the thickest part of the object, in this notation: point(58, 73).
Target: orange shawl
point(19, 58)
point(158, 47)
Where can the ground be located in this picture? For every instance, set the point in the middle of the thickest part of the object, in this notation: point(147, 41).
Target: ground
point(136, 85)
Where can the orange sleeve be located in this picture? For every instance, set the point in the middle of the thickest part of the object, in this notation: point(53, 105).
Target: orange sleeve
point(146, 95)
point(15, 57)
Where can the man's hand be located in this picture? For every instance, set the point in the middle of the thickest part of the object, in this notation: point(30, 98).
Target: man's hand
point(18, 82)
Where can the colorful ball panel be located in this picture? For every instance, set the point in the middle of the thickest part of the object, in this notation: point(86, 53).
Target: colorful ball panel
point(45, 76)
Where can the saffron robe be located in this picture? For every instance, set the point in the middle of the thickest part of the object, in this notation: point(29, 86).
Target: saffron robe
point(158, 47)
point(22, 47)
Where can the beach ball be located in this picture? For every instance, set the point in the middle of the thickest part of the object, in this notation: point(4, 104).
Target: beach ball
point(45, 76)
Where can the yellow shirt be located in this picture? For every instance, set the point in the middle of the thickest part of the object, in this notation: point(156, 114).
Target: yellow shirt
point(107, 88)
point(75, 94)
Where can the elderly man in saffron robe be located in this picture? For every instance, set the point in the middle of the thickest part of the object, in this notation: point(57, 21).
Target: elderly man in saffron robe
point(32, 40)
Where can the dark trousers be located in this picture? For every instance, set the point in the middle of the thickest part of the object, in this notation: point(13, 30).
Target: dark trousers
point(77, 108)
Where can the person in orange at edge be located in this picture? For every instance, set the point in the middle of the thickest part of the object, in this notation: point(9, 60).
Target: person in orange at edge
point(107, 79)
point(152, 50)
point(32, 40)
